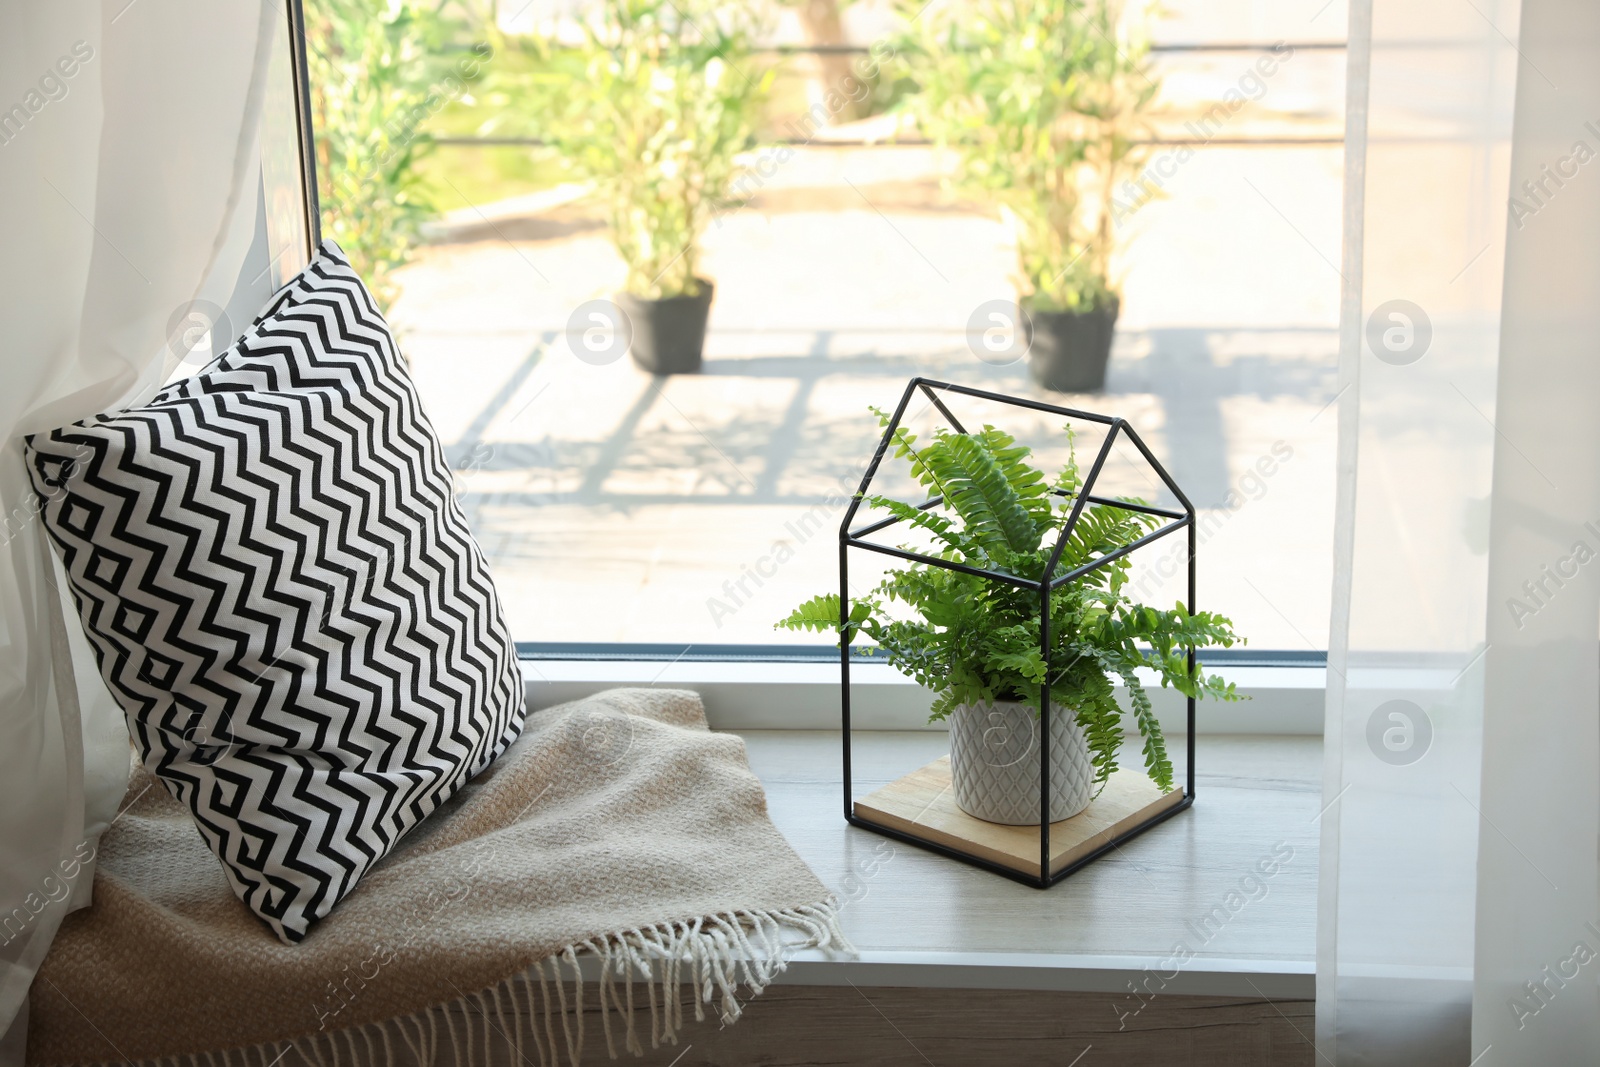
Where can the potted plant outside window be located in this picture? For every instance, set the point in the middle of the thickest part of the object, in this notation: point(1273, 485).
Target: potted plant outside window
point(653, 103)
point(976, 643)
point(1041, 102)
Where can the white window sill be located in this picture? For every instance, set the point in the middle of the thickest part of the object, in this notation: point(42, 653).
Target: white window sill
point(1144, 917)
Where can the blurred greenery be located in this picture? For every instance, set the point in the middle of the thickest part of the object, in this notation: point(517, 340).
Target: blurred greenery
point(459, 175)
point(653, 102)
point(1041, 100)
point(451, 176)
point(378, 73)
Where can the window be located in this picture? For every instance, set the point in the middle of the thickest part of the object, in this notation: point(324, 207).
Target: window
point(619, 507)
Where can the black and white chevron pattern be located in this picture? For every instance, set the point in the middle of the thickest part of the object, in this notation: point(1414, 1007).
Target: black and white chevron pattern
point(284, 596)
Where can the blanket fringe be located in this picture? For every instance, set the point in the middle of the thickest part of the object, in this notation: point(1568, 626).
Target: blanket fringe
point(725, 954)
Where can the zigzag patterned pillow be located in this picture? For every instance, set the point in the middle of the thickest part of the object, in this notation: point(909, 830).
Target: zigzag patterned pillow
point(283, 596)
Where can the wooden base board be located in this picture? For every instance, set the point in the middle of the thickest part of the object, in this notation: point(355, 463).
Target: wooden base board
point(802, 1026)
point(923, 804)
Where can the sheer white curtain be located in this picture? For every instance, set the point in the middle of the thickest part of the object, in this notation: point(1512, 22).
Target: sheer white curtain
point(1535, 996)
point(129, 178)
point(1462, 781)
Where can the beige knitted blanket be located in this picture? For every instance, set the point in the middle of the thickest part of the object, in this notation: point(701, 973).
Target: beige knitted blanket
point(617, 826)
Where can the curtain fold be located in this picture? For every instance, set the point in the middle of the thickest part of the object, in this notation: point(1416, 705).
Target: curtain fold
point(128, 152)
point(1461, 746)
point(1537, 947)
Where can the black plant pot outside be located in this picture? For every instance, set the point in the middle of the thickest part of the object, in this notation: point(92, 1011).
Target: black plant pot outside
point(669, 334)
point(1068, 350)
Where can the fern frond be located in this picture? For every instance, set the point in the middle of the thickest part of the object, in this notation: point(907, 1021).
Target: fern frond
point(926, 519)
point(1101, 719)
point(976, 487)
point(1155, 745)
point(1070, 479)
point(821, 614)
point(1029, 483)
point(905, 447)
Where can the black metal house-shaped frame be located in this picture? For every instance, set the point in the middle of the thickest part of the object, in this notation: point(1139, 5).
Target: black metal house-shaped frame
point(849, 539)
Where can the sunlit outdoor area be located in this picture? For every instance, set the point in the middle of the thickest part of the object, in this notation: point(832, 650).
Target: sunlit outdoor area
point(864, 196)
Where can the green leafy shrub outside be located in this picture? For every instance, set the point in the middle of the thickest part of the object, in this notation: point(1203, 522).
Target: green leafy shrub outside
point(1040, 101)
point(379, 70)
point(655, 100)
point(654, 105)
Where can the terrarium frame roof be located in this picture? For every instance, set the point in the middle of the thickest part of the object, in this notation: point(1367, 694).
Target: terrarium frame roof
point(1177, 520)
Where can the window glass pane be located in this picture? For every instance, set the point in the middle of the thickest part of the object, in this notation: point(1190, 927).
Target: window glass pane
point(283, 189)
point(620, 506)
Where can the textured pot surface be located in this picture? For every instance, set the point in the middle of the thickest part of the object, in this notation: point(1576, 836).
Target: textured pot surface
point(669, 335)
point(1068, 351)
point(994, 761)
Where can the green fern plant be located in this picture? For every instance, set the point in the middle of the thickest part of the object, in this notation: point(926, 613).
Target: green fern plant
point(973, 640)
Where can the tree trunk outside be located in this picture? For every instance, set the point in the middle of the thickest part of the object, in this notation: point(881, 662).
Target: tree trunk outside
point(832, 72)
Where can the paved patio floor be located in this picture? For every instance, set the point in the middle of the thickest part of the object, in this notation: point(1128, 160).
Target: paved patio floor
point(619, 507)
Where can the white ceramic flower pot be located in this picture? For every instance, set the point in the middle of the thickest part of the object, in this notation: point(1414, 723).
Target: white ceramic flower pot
point(994, 761)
